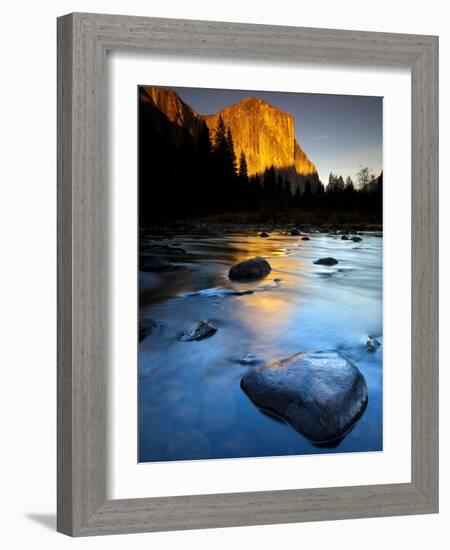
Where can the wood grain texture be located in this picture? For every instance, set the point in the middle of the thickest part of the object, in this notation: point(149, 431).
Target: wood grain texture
point(83, 40)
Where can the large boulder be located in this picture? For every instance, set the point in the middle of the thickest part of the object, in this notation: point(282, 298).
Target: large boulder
point(254, 268)
point(320, 394)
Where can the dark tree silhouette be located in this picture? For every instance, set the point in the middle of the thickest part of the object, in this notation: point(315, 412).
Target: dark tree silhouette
point(243, 170)
point(186, 174)
point(231, 155)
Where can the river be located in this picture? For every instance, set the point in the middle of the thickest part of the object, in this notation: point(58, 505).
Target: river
point(191, 405)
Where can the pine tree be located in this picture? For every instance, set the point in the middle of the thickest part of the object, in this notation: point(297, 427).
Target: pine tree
point(306, 198)
point(231, 155)
point(270, 195)
point(220, 167)
point(243, 170)
point(331, 182)
point(220, 139)
point(204, 142)
point(203, 172)
point(363, 177)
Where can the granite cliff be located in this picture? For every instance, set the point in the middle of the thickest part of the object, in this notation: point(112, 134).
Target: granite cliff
point(264, 133)
point(266, 136)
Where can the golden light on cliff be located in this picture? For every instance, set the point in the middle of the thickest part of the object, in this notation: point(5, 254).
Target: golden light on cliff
point(266, 136)
point(264, 133)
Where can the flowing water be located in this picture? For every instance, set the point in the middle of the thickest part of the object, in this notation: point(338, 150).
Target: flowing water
point(191, 405)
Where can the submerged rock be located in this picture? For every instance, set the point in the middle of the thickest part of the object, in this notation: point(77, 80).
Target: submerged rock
point(320, 394)
point(264, 234)
point(356, 239)
point(305, 238)
point(326, 261)
point(155, 263)
point(295, 232)
point(253, 268)
point(163, 249)
point(248, 359)
point(146, 327)
point(203, 330)
point(372, 344)
point(242, 292)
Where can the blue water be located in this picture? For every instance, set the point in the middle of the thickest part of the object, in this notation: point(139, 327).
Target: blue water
point(191, 405)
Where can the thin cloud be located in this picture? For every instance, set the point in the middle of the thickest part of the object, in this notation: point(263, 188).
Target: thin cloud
point(323, 136)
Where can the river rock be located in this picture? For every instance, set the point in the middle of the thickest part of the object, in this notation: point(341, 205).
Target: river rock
point(146, 327)
point(202, 330)
point(320, 394)
point(242, 292)
point(356, 239)
point(295, 232)
point(372, 344)
point(326, 261)
point(344, 238)
point(248, 359)
point(253, 268)
point(305, 238)
point(264, 234)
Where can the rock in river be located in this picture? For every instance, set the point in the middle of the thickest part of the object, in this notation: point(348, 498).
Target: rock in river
point(344, 238)
point(320, 394)
point(326, 261)
point(254, 268)
point(203, 330)
point(295, 232)
point(247, 359)
point(146, 327)
point(372, 344)
point(305, 238)
point(264, 234)
point(356, 239)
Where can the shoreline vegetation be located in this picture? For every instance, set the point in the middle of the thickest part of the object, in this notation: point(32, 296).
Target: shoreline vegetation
point(220, 225)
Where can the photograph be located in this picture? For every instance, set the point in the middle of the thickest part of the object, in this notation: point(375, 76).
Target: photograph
point(260, 273)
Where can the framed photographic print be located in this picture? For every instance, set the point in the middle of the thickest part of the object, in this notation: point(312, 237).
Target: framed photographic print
point(247, 274)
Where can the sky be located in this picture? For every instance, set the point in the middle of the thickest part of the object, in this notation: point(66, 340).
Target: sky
point(339, 133)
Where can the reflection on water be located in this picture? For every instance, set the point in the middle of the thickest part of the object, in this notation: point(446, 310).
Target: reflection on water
point(191, 405)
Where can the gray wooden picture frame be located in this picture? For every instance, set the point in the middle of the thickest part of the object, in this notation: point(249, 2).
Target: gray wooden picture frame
point(83, 41)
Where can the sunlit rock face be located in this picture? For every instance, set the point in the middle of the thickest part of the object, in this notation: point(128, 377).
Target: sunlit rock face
point(264, 133)
point(303, 166)
point(266, 136)
point(172, 106)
